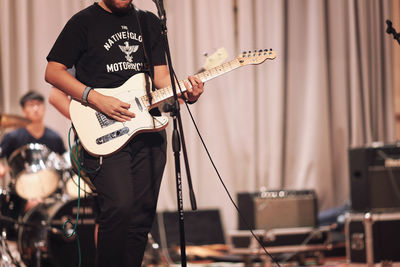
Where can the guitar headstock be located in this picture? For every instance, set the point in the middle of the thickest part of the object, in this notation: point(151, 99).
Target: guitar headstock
point(256, 57)
point(217, 58)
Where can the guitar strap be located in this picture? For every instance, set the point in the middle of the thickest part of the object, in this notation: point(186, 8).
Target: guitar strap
point(142, 18)
point(144, 23)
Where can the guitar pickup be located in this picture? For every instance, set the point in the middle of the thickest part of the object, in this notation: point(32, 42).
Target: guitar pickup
point(139, 105)
point(108, 137)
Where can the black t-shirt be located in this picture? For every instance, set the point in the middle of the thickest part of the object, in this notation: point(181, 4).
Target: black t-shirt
point(20, 137)
point(107, 49)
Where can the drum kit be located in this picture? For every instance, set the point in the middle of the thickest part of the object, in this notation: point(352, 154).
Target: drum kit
point(37, 173)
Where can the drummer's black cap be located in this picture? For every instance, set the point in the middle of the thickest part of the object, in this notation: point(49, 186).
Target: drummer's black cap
point(31, 95)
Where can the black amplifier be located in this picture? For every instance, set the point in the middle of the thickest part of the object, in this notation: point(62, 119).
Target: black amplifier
point(375, 177)
point(278, 209)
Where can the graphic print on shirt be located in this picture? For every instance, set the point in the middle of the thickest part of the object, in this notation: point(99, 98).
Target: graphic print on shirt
point(128, 50)
point(125, 41)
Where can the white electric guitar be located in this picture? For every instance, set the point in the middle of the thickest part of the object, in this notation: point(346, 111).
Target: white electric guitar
point(101, 135)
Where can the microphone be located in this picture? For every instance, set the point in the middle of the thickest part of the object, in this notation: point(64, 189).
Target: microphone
point(160, 8)
point(389, 28)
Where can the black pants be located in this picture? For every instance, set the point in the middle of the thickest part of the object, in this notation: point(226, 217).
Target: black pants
point(127, 184)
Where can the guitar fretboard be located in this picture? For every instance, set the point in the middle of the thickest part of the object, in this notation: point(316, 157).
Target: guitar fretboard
point(165, 93)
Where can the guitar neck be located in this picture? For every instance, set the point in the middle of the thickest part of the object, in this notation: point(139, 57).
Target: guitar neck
point(165, 93)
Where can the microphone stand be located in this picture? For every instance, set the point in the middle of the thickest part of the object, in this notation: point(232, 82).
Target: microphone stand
point(177, 139)
point(391, 30)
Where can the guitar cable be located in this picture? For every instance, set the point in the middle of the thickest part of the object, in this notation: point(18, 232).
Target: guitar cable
point(76, 159)
point(242, 218)
point(68, 221)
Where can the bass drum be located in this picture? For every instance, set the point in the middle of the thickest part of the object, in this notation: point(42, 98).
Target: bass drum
point(41, 239)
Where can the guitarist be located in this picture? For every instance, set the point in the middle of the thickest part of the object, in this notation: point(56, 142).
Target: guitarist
point(109, 42)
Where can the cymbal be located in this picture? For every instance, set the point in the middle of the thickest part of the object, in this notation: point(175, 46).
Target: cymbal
point(8, 120)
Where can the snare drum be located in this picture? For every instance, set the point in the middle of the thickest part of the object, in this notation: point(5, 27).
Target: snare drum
point(33, 170)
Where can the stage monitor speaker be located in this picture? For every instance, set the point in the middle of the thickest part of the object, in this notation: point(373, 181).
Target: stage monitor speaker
point(202, 227)
point(278, 209)
point(375, 178)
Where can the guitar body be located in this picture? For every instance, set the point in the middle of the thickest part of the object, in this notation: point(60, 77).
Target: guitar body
point(101, 135)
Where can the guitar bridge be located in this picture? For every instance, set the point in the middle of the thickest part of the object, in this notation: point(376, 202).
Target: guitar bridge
point(104, 120)
point(108, 137)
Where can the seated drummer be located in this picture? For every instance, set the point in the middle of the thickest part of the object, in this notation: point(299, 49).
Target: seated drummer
point(34, 109)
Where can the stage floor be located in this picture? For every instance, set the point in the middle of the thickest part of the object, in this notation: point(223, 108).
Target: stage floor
point(329, 263)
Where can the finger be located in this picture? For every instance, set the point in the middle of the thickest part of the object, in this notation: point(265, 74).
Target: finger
point(188, 87)
point(121, 117)
point(125, 105)
point(127, 115)
point(197, 79)
point(200, 84)
point(193, 81)
point(117, 118)
point(124, 117)
point(125, 112)
point(197, 85)
point(115, 114)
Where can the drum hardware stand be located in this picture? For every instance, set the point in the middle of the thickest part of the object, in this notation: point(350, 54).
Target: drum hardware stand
point(38, 245)
point(7, 258)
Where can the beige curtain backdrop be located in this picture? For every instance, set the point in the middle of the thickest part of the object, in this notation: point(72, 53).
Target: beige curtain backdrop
point(287, 123)
point(396, 67)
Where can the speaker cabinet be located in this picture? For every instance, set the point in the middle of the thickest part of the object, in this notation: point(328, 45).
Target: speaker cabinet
point(202, 227)
point(278, 209)
point(375, 178)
